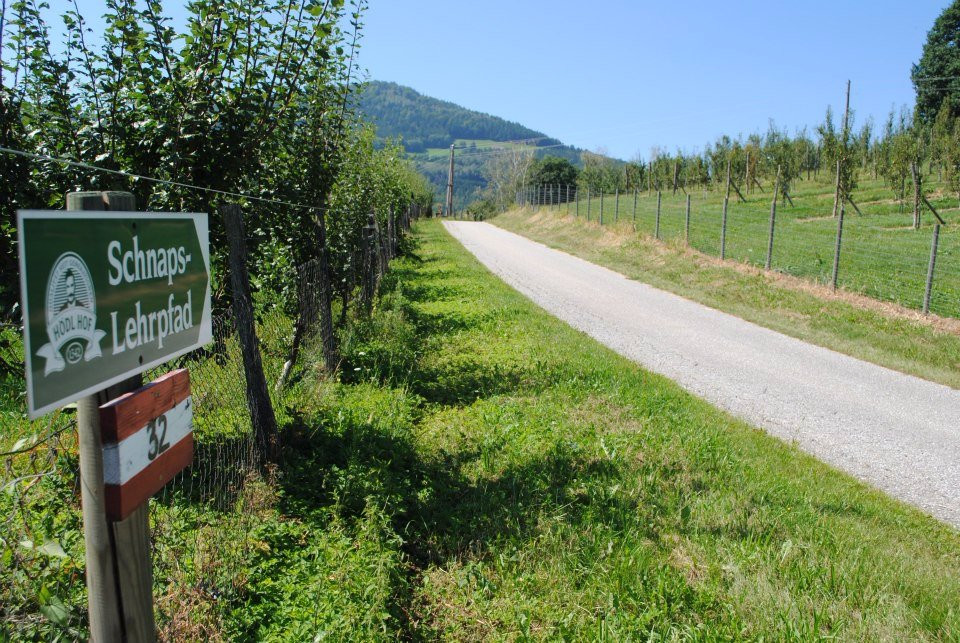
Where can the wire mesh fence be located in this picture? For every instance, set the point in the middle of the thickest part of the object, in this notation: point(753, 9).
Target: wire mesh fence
point(202, 523)
point(880, 256)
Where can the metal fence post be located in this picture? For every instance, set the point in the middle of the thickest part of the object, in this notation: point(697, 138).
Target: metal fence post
point(836, 248)
point(930, 268)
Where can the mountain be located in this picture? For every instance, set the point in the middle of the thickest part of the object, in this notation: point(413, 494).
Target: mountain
point(429, 126)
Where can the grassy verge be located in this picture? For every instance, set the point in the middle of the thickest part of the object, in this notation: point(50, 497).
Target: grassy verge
point(539, 485)
point(879, 332)
point(482, 471)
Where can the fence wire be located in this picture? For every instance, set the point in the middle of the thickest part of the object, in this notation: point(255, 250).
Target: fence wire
point(885, 262)
point(201, 522)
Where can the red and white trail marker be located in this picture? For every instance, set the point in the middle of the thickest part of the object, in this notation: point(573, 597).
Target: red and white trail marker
point(147, 439)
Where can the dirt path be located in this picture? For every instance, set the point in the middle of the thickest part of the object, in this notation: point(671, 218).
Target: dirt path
point(895, 431)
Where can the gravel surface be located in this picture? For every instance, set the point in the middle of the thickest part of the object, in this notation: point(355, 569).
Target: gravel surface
point(895, 431)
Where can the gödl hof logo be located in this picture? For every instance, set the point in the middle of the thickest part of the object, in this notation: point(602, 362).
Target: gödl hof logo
point(71, 315)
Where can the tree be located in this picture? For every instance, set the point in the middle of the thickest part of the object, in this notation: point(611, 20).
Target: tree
point(552, 170)
point(936, 76)
point(505, 172)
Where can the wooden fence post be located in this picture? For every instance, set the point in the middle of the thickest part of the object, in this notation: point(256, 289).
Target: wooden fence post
point(601, 207)
point(773, 219)
point(577, 197)
point(634, 208)
point(686, 228)
point(915, 171)
point(656, 233)
point(588, 203)
point(836, 248)
point(258, 396)
point(930, 268)
point(616, 206)
point(119, 572)
point(328, 340)
point(391, 235)
point(836, 193)
point(723, 229)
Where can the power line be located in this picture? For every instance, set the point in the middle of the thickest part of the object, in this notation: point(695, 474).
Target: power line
point(141, 177)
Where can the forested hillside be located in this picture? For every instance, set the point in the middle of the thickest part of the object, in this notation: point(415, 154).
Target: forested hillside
point(426, 122)
point(429, 126)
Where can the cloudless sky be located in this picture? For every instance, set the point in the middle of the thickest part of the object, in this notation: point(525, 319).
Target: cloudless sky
point(626, 76)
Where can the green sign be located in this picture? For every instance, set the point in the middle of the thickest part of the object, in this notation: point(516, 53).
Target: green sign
point(108, 295)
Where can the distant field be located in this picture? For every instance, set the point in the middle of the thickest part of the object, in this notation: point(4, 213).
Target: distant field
point(465, 145)
point(881, 255)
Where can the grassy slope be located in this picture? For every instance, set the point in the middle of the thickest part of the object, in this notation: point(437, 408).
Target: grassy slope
point(543, 485)
point(903, 342)
point(882, 256)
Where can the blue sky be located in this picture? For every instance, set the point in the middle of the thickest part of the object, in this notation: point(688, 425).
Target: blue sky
point(626, 76)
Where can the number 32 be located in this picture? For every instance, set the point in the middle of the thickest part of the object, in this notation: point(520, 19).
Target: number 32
point(158, 443)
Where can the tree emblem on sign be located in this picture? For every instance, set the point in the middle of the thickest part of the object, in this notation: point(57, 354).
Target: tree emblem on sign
point(71, 315)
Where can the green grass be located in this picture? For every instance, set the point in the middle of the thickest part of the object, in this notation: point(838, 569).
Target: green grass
point(466, 144)
point(902, 341)
point(882, 256)
point(482, 471)
point(544, 487)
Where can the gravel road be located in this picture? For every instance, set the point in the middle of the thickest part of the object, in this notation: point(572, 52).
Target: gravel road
point(894, 431)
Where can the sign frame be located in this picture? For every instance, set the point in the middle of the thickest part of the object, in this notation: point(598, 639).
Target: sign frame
point(205, 335)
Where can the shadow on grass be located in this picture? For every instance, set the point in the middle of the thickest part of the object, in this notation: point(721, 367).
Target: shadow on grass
point(341, 462)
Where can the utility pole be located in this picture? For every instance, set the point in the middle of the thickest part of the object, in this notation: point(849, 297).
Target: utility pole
point(450, 186)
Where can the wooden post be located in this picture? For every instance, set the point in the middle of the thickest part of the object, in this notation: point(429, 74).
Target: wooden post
point(676, 175)
point(723, 229)
point(836, 248)
point(328, 339)
point(746, 174)
point(930, 268)
point(727, 195)
point(588, 203)
point(601, 207)
point(449, 204)
point(836, 194)
point(390, 226)
point(577, 197)
point(686, 227)
point(635, 208)
point(616, 204)
point(657, 228)
point(773, 219)
point(119, 571)
point(915, 171)
point(846, 119)
point(258, 397)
